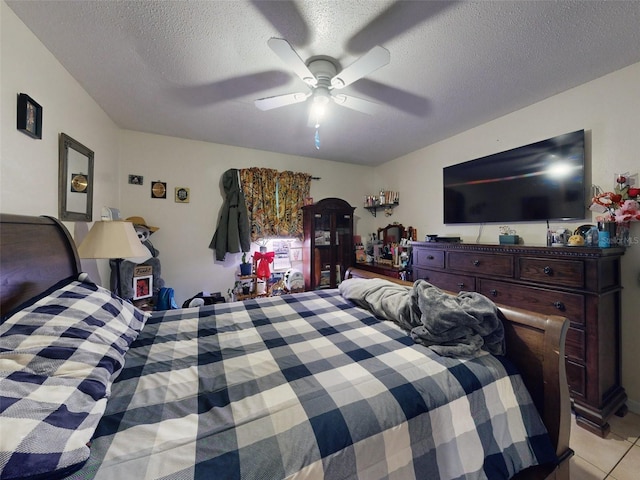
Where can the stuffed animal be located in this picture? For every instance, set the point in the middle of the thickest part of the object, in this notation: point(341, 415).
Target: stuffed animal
point(576, 240)
point(127, 267)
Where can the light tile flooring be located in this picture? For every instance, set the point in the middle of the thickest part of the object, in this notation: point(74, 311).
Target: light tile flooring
point(616, 457)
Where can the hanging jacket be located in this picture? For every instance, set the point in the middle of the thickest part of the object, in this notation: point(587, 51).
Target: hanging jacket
point(233, 232)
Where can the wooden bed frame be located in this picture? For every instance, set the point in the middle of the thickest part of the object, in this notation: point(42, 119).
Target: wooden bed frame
point(535, 343)
point(38, 252)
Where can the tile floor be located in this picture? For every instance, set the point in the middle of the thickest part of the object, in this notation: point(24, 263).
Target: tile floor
point(616, 457)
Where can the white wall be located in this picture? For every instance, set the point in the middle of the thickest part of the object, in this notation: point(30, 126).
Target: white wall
point(186, 229)
point(29, 167)
point(609, 110)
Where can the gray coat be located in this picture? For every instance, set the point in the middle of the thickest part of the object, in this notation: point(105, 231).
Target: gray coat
point(233, 234)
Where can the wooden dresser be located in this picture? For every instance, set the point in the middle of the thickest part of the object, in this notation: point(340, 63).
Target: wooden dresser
point(582, 284)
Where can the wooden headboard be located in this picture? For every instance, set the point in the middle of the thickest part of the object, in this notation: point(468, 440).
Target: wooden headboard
point(35, 253)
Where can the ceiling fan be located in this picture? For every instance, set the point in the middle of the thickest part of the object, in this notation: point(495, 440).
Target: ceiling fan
point(323, 78)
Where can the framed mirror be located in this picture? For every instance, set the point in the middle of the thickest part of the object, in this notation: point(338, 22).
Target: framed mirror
point(75, 180)
point(391, 233)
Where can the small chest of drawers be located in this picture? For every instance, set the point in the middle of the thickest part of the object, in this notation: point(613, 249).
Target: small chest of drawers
point(582, 284)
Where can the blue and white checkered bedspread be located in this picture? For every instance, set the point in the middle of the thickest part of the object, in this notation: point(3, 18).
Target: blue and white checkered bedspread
point(308, 386)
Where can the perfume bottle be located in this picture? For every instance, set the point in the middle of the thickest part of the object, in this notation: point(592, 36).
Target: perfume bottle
point(591, 237)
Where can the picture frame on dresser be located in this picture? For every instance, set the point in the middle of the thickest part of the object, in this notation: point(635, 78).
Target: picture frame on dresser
point(142, 287)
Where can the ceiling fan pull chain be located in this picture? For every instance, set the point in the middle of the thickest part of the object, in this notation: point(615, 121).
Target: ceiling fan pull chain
point(317, 138)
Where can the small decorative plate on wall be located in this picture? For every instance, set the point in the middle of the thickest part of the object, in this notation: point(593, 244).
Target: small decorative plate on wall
point(158, 189)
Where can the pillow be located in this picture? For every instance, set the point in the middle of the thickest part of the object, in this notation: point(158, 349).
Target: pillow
point(59, 355)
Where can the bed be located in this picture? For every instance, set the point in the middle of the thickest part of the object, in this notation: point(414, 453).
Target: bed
point(309, 385)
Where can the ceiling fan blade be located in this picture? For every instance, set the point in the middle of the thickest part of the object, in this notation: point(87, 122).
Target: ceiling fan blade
point(288, 55)
point(372, 60)
point(355, 103)
point(270, 103)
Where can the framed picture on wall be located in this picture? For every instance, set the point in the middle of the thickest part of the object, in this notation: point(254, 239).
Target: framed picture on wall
point(158, 189)
point(142, 287)
point(136, 180)
point(29, 116)
point(182, 195)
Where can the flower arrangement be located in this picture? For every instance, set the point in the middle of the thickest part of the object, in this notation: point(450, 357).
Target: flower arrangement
point(262, 243)
point(621, 205)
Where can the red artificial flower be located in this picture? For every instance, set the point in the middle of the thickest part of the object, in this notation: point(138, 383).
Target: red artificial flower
point(629, 211)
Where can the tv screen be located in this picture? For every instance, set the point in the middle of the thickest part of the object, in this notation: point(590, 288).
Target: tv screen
point(537, 182)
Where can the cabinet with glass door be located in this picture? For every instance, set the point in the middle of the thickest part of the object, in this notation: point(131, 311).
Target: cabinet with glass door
point(328, 243)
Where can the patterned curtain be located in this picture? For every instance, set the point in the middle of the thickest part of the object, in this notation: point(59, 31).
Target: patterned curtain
point(293, 188)
point(259, 188)
point(274, 201)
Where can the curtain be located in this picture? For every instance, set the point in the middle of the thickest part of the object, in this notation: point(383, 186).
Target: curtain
point(293, 188)
point(274, 201)
point(259, 188)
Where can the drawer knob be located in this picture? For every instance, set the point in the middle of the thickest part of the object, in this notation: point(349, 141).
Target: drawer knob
point(559, 306)
point(476, 263)
point(430, 257)
point(493, 292)
point(547, 270)
point(461, 285)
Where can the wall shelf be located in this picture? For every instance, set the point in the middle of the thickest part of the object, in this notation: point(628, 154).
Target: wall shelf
point(373, 209)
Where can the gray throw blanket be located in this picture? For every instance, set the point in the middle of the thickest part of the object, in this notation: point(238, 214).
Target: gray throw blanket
point(451, 325)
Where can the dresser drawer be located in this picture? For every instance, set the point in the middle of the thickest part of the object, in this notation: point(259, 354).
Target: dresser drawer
point(569, 273)
point(574, 344)
point(481, 263)
point(446, 281)
point(426, 257)
point(577, 379)
point(541, 300)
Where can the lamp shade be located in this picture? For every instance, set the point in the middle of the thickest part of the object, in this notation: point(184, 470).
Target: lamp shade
point(112, 239)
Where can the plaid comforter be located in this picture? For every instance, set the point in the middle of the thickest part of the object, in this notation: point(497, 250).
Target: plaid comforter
point(308, 386)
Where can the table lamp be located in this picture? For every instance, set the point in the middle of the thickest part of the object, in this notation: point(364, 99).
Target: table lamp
point(113, 239)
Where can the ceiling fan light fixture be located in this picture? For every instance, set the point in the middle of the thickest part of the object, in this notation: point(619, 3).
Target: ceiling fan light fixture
point(318, 110)
point(321, 96)
point(323, 74)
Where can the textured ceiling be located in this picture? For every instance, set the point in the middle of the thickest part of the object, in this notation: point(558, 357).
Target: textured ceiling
point(192, 69)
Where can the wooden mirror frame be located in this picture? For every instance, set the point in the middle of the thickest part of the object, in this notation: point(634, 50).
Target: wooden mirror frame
point(75, 199)
point(383, 233)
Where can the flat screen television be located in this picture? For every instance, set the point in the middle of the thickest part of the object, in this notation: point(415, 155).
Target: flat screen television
point(537, 182)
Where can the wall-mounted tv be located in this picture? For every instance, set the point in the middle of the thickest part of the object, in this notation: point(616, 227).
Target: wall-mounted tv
point(537, 182)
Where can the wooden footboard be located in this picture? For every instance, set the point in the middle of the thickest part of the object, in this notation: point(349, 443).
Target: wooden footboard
point(535, 343)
